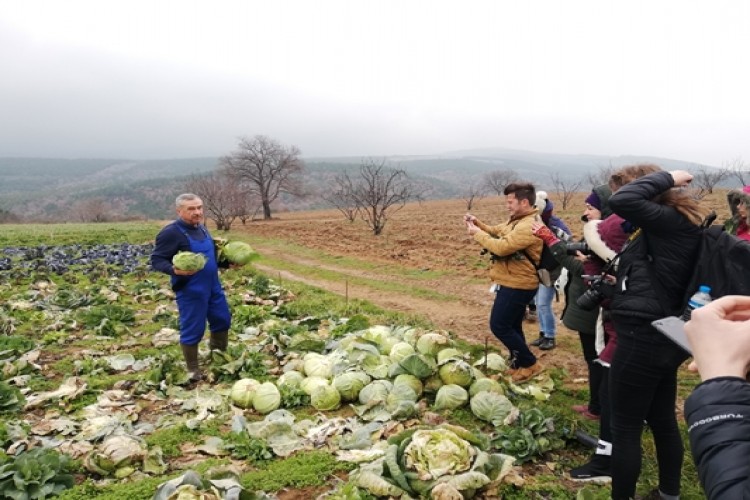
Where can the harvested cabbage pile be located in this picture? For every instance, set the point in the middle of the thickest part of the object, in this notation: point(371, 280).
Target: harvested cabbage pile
point(189, 261)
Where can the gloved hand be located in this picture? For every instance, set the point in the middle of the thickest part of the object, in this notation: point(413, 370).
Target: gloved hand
point(544, 233)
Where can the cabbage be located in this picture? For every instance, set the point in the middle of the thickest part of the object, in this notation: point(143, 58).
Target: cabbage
point(494, 362)
point(432, 343)
point(448, 354)
point(433, 383)
point(486, 384)
point(318, 366)
point(243, 391)
point(376, 366)
point(238, 252)
point(292, 378)
point(411, 381)
point(399, 394)
point(450, 397)
point(325, 397)
point(436, 453)
point(267, 398)
point(350, 383)
point(400, 350)
point(189, 261)
point(310, 383)
point(375, 391)
point(494, 408)
point(457, 372)
point(418, 365)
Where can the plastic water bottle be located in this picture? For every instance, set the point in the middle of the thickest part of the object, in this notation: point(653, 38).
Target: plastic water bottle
point(699, 299)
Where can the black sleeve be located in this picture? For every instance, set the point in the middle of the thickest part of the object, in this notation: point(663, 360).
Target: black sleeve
point(169, 241)
point(634, 202)
point(718, 417)
point(569, 262)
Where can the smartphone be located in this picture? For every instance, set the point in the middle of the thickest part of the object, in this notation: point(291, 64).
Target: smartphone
point(674, 329)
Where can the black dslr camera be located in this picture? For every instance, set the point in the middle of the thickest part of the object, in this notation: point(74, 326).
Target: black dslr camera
point(579, 246)
point(600, 287)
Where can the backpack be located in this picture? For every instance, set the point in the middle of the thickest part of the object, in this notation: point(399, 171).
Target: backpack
point(723, 263)
point(547, 264)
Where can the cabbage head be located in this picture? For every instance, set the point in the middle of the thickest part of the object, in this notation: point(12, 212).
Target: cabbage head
point(318, 366)
point(399, 394)
point(238, 252)
point(411, 381)
point(494, 361)
point(400, 350)
point(267, 398)
point(432, 343)
point(450, 397)
point(457, 372)
point(376, 390)
point(418, 365)
point(292, 378)
point(376, 367)
point(325, 397)
point(486, 384)
point(309, 384)
point(448, 354)
point(243, 391)
point(433, 383)
point(437, 452)
point(350, 383)
point(494, 408)
point(189, 261)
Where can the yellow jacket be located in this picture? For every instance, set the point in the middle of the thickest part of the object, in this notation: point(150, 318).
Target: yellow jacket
point(508, 242)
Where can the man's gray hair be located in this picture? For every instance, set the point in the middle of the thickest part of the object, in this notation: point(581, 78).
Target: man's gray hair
point(185, 197)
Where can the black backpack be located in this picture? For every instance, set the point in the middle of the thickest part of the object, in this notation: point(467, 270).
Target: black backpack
point(723, 263)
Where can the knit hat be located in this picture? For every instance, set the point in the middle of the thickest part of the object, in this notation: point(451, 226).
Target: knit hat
point(594, 200)
point(541, 201)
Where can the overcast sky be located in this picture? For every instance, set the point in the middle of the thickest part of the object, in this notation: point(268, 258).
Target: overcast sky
point(172, 79)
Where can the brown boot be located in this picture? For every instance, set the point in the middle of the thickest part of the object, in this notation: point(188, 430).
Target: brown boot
point(190, 353)
point(219, 341)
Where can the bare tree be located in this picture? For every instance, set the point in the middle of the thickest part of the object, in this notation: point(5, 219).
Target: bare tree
point(341, 196)
point(223, 199)
point(498, 179)
point(739, 170)
point(92, 210)
point(601, 176)
point(265, 168)
point(705, 180)
point(565, 189)
point(380, 191)
point(473, 193)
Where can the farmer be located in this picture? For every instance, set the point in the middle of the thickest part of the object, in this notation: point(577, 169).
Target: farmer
point(513, 274)
point(200, 297)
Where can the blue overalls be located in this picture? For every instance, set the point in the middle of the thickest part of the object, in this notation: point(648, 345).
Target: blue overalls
point(202, 298)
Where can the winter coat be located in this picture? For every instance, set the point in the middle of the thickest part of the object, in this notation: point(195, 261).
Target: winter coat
point(573, 316)
point(718, 418)
point(507, 242)
point(654, 270)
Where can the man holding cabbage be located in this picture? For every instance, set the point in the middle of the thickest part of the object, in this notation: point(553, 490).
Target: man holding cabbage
point(186, 252)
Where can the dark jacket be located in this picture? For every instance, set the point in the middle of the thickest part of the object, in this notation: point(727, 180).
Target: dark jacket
point(654, 271)
point(718, 418)
point(573, 316)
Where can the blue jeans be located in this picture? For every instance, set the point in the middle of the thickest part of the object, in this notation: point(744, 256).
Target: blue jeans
point(643, 387)
point(547, 321)
point(506, 323)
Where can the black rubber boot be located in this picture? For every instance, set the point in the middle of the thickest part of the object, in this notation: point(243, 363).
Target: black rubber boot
point(190, 353)
point(219, 341)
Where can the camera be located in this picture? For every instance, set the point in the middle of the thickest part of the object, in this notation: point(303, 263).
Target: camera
point(493, 257)
point(600, 288)
point(580, 246)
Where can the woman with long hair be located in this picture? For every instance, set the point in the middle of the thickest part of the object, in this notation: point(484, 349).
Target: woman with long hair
point(652, 277)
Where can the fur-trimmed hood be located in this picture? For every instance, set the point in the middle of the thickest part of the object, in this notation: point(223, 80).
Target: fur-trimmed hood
point(735, 196)
point(605, 237)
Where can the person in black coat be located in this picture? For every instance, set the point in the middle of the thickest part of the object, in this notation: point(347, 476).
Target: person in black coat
point(652, 277)
point(718, 410)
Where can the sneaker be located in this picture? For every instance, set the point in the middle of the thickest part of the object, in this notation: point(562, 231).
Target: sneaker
point(524, 374)
point(538, 341)
point(580, 408)
point(547, 344)
point(590, 416)
point(596, 471)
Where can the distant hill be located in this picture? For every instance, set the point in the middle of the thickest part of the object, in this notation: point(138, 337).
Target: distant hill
point(47, 188)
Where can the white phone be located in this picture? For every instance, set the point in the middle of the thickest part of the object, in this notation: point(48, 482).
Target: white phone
point(674, 328)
